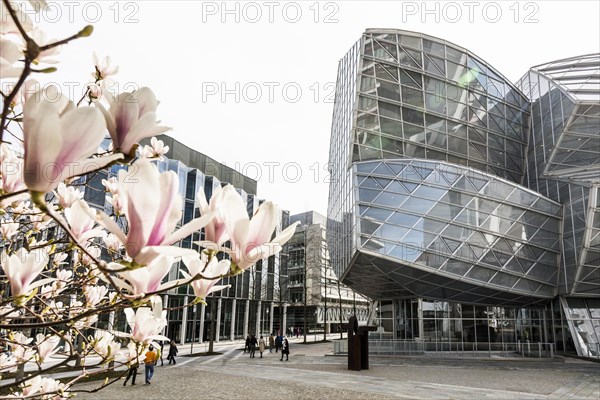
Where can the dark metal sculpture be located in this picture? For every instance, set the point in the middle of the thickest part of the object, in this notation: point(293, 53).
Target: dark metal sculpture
point(358, 345)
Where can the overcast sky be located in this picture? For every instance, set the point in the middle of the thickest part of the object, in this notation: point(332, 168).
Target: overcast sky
point(251, 83)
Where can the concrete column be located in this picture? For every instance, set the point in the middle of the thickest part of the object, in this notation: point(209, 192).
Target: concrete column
point(184, 320)
point(420, 315)
point(218, 327)
point(232, 333)
point(246, 315)
point(271, 319)
point(258, 315)
point(202, 312)
point(284, 327)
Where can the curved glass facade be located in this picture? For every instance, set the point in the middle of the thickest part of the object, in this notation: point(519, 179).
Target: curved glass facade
point(458, 224)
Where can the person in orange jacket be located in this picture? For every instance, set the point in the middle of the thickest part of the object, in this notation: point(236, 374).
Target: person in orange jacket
point(150, 361)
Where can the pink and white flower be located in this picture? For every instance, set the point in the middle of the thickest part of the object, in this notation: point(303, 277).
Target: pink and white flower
point(94, 295)
point(20, 347)
point(131, 117)
point(103, 66)
point(151, 219)
point(216, 230)
point(199, 265)
point(156, 150)
point(58, 140)
point(104, 344)
point(113, 244)
point(146, 323)
point(8, 229)
point(81, 219)
point(46, 346)
point(250, 239)
point(22, 268)
point(67, 195)
point(42, 388)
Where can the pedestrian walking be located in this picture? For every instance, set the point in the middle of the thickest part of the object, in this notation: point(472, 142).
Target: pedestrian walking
point(132, 372)
point(278, 342)
point(160, 353)
point(253, 344)
point(172, 352)
point(285, 350)
point(149, 362)
point(247, 346)
point(271, 343)
point(261, 346)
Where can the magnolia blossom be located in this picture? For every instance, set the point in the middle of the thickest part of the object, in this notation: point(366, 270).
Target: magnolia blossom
point(104, 69)
point(9, 312)
point(146, 279)
point(67, 195)
point(116, 204)
point(157, 149)
point(59, 259)
point(81, 219)
point(8, 229)
point(11, 172)
point(86, 260)
point(46, 346)
point(131, 117)
point(94, 294)
point(250, 239)
point(104, 344)
point(58, 139)
point(151, 218)
point(9, 57)
point(112, 243)
point(214, 268)
point(215, 230)
point(42, 388)
point(22, 268)
point(21, 350)
point(146, 323)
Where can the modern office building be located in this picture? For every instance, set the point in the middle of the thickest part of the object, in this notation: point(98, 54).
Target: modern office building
point(247, 307)
point(466, 204)
point(318, 302)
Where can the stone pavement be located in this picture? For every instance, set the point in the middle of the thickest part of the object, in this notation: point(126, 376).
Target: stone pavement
point(312, 374)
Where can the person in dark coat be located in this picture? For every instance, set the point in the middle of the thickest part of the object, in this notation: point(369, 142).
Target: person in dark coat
point(285, 350)
point(278, 342)
point(247, 346)
point(172, 352)
point(253, 343)
point(132, 372)
point(162, 348)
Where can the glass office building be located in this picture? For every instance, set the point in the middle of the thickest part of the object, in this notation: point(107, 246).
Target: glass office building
point(458, 192)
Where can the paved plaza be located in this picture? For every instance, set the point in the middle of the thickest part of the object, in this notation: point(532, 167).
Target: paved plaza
point(312, 373)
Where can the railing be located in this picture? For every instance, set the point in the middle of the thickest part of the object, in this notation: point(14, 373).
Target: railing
point(451, 349)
